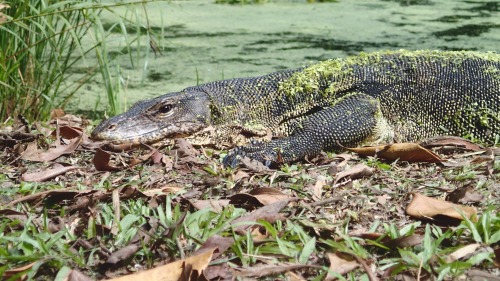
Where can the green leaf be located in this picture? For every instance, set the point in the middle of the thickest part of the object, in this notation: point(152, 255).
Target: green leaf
point(410, 258)
point(63, 274)
point(307, 251)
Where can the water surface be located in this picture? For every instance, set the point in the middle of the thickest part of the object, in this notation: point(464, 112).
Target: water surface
point(202, 41)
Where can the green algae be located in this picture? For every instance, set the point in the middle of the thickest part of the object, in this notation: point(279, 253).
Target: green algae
point(202, 41)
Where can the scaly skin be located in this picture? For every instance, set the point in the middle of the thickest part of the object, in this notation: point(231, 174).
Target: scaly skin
point(366, 99)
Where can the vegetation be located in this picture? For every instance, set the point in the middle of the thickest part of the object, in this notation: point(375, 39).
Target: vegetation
point(41, 40)
point(340, 217)
point(70, 209)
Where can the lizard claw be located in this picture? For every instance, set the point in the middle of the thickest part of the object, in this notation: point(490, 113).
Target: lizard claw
point(233, 158)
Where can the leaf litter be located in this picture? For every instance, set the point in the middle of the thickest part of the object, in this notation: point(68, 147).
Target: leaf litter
point(171, 209)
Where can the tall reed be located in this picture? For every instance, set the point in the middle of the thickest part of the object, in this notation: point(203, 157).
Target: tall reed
point(40, 41)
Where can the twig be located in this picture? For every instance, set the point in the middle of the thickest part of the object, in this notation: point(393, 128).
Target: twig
point(371, 275)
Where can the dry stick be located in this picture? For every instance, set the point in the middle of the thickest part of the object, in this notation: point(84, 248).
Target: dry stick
point(365, 266)
point(326, 201)
point(419, 269)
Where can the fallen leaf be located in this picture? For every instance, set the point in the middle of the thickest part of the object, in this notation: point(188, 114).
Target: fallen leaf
point(56, 113)
point(123, 254)
point(258, 197)
point(37, 155)
point(47, 174)
point(219, 272)
point(410, 152)
point(292, 276)
point(76, 275)
point(465, 195)
point(157, 157)
point(269, 213)
point(184, 148)
point(101, 161)
point(356, 172)
point(382, 199)
point(10, 272)
point(67, 132)
point(481, 275)
point(173, 271)
point(240, 175)
point(424, 207)
point(340, 264)
point(214, 205)
point(62, 194)
point(404, 242)
point(218, 243)
point(162, 191)
point(317, 189)
point(462, 252)
point(451, 141)
point(266, 270)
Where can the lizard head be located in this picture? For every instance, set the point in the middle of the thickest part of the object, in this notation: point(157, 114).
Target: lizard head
point(171, 115)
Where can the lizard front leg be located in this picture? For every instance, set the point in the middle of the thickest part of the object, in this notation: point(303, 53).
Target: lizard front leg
point(349, 122)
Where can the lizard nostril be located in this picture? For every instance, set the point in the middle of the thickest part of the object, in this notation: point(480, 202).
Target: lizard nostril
point(111, 127)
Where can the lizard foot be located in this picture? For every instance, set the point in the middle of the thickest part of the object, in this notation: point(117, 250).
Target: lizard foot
point(265, 156)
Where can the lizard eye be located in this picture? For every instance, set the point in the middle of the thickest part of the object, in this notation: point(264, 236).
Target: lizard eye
point(167, 108)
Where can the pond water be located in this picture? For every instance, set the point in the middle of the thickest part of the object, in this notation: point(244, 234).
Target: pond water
point(202, 41)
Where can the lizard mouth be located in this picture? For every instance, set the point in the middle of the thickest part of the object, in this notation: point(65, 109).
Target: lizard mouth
point(131, 136)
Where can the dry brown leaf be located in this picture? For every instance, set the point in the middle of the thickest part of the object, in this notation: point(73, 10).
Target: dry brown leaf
point(123, 253)
point(340, 264)
point(410, 152)
point(424, 207)
point(240, 175)
point(317, 189)
point(257, 197)
point(101, 161)
point(218, 272)
point(56, 113)
point(464, 195)
point(59, 194)
point(47, 174)
point(185, 148)
point(481, 275)
point(214, 205)
point(67, 132)
point(266, 270)
point(356, 172)
point(157, 157)
point(451, 141)
point(173, 271)
point(76, 275)
point(10, 272)
point(218, 243)
point(462, 252)
point(269, 213)
point(403, 242)
point(343, 158)
point(162, 191)
point(292, 276)
point(32, 153)
point(267, 195)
